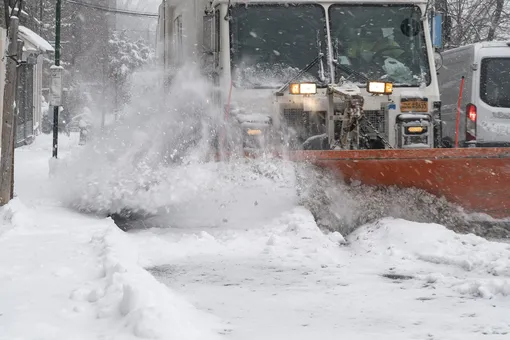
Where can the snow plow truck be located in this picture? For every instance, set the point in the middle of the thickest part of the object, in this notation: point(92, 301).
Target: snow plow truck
point(348, 85)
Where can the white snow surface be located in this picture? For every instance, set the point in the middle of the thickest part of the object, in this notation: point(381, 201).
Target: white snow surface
point(236, 258)
point(36, 41)
point(65, 275)
point(287, 279)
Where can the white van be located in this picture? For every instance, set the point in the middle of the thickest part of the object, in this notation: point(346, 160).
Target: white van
point(485, 105)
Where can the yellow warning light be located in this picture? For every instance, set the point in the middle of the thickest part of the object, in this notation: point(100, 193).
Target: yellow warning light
point(380, 87)
point(303, 88)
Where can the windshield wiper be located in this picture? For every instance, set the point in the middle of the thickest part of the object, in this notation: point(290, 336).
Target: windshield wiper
point(300, 73)
point(350, 71)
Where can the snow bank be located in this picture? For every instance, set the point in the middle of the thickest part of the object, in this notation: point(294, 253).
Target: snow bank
point(486, 289)
point(14, 215)
point(142, 305)
point(295, 237)
point(97, 265)
point(432, 243)
point(468, 264)
point(68, 275)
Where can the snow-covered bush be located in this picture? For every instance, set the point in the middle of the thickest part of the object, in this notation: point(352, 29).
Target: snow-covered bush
point(126, 57)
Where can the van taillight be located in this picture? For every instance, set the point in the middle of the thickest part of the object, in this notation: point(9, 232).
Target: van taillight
point(471, 112)
point(470, 122)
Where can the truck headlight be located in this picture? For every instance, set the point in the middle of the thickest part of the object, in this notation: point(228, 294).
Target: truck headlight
point(380, 87)
point(303, 88)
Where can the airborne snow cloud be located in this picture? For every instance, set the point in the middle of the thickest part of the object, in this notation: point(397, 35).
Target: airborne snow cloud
point(118, 167)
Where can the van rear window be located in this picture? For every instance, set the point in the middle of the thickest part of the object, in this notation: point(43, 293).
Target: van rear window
point(495, 82)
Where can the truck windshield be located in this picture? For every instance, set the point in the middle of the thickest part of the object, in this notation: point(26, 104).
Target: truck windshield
point(270, 44)
point(495, 82)
point(380, 42)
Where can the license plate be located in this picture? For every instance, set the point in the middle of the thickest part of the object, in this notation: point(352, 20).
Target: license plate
point(414, 105)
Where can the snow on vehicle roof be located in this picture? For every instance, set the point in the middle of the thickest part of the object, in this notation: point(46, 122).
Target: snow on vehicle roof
point(481, 44)
point(33, 41)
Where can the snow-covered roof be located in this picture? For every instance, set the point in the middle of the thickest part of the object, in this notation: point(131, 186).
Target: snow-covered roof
point(16, 10)
point(33, 41)
point(479, 45)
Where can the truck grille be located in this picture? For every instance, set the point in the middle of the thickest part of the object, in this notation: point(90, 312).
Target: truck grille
point(378, 120)
point(293, 117)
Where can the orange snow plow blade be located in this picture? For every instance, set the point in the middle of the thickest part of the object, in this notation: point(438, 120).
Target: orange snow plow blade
point(477, 179)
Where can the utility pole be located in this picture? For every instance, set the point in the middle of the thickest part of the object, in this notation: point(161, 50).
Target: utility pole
point(56, 79)
point(18, 92)
point(8, 133)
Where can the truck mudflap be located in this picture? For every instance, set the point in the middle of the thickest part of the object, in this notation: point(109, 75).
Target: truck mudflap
point(476, 179)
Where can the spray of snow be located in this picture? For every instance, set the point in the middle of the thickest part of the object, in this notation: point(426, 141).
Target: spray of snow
point(119, 168)
point(152, 162)
point(343, 208)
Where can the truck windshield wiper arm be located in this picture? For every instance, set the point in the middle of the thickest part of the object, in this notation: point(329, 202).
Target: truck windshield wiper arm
point(300, 73)
point(350, 71)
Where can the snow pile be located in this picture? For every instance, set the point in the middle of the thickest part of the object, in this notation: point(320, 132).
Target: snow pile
point(147, 308)
point(462, 259)
point(78, 277)
point(433, 243)
point(14, 215)
point(486, 289)
point(295, 237)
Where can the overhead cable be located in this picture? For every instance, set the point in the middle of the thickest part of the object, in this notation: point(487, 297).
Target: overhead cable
point(113, 10)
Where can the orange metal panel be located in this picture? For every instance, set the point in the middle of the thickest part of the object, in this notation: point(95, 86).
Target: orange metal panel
point(478, 179)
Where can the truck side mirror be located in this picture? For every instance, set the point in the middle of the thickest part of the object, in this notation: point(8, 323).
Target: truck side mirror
point(438, 60)
point(209, 40)
point(437, 30)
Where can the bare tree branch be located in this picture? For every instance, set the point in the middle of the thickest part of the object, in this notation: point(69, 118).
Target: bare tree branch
point(495, 20)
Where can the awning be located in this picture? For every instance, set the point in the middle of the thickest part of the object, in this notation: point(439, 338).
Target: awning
point(34, 43)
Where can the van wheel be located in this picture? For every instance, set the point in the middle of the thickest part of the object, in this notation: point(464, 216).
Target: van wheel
point(376, 144)
point(447, 142)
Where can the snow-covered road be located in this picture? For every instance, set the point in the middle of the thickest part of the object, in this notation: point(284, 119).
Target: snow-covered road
point(236, 257)
point(278, 276)
point(291, 281)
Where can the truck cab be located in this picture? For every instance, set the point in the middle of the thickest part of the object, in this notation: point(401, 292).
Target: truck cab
point(292, 70)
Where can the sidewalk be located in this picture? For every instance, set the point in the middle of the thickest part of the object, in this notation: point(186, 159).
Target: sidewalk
point(65, 275)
